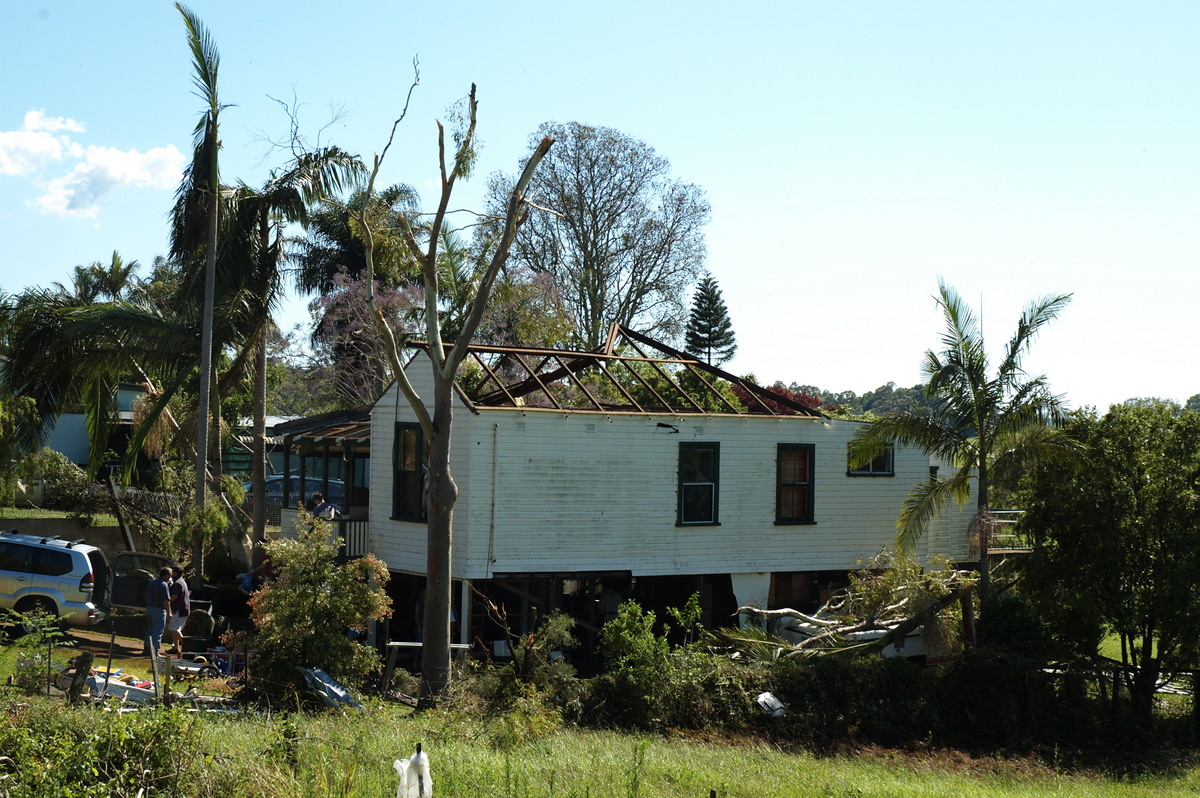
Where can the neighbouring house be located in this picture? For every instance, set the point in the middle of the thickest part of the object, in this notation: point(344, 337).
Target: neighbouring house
point(70, 436)
point(635, 471)
point(238, 451)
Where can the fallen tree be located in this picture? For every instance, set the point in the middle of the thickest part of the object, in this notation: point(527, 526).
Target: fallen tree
point(887, 601)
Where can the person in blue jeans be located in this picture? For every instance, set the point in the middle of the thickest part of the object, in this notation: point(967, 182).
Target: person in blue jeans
point(158, 605)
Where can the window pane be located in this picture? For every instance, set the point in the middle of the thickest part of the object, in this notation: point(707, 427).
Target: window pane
point(408, 495)
point(793, 493)
point(408, 450)
point(793, 466)
point(793, 502)
point(13, 557)
point(50, 562)
point(696, 465)
point(880, 465)
point(697, 504)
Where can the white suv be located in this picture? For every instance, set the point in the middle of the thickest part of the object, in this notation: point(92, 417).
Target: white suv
point(55, 576)
point(70, 578)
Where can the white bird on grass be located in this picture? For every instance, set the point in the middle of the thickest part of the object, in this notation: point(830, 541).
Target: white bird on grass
point(414, 776)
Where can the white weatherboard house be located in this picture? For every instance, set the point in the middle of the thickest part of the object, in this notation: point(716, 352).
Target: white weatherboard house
point(635, 470)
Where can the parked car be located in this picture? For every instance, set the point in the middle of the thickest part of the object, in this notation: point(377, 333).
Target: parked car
point(70, 578)
point(274, 490)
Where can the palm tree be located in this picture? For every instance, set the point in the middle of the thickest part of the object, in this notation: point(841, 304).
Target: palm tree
point(333, 246)
point(987, 426)
point(90, 283)
point(66, 352)
point(257, 230)
point(196, 220)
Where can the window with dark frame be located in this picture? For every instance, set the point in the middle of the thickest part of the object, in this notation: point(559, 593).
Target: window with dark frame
point(881, 466)
point(408, 470)
point(794, 483)
point(699, 473)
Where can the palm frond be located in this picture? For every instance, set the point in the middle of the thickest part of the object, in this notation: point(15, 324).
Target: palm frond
point(1036, 315)
point(1019, 449)
point(944, 441)
point(206, 62)
point(100, 391)
point(925, 501)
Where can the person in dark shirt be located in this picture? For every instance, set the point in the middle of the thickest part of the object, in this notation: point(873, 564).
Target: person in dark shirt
point(158, 605)
point(181, 607)
point(323, 509)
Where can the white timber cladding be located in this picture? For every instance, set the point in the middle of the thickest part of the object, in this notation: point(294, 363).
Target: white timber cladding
point(545, 491)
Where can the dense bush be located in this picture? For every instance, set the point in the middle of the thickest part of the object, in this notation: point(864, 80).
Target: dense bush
point(312, 613)
point(990, 699)
point(44, 751)
point(535, 671)
point(650, 685)
point(67, 485)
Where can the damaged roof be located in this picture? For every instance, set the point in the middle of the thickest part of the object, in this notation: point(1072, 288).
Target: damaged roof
point(631, 373)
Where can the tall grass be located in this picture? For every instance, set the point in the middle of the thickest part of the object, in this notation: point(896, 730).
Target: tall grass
point(351, 755)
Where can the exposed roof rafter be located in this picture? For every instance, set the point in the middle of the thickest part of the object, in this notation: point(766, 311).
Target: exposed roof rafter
point(631, 373)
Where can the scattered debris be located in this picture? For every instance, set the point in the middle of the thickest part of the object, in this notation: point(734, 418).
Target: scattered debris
point(892, 607)
point(771, 705)
point(415, 781)
point(324, 687)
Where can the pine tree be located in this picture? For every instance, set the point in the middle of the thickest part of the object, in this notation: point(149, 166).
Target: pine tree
point(709, 332)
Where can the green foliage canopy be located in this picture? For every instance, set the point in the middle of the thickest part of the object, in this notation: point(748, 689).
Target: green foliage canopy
point(1115, 539)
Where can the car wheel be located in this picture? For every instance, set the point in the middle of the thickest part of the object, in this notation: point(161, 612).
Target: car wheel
point(36, 610)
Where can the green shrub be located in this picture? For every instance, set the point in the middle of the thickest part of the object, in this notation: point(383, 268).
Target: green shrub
point(312, 611)
point(67, 485)
point(78, 755)
point(649, 685)
point(832, 700)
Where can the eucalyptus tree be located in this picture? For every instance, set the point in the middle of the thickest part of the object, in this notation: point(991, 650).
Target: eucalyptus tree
point(423, 241)
point(625, 239)
point(988, 425)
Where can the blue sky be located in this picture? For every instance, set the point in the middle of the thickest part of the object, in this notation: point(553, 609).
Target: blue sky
point(852, 152)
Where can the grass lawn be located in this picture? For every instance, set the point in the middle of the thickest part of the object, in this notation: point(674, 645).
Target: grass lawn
point(530, 755)
point(10, 513)
point(1110, 647)
point(472, 756)
point(526, 754)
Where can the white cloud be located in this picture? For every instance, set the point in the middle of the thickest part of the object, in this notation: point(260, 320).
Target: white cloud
point(104, 169)
point(23, 152)
point(34, 149)
point(37, 120)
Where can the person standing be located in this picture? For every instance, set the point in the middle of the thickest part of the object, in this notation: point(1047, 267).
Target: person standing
point(323, 509)
point(158, 606)
point(181, 607)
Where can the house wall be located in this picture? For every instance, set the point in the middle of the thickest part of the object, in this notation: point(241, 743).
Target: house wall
point(401, 544)
point(553, 492)
point(70, 437)
point(69, 434)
